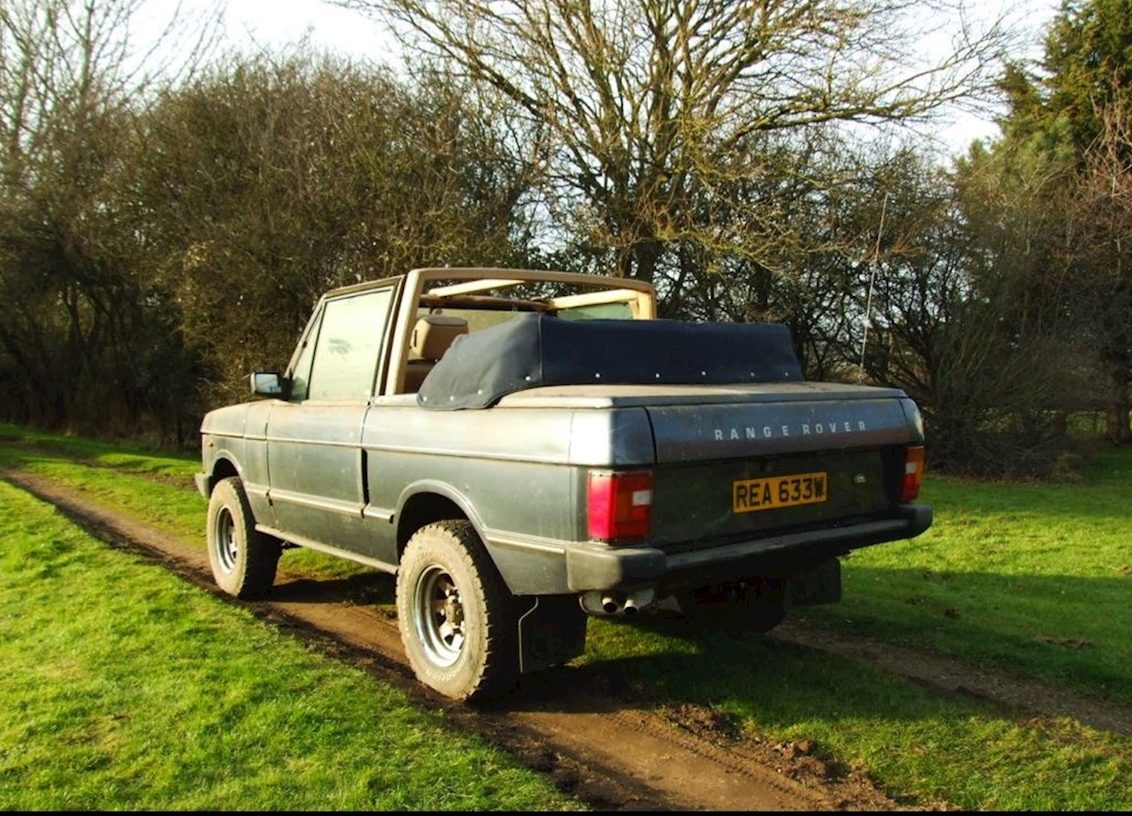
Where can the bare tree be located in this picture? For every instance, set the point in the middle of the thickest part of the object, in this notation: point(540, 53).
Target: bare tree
point(75, 312)
point(276, 177)
point(1072, 112)
point(656, 110)
point(975, 312)
point(63, 62)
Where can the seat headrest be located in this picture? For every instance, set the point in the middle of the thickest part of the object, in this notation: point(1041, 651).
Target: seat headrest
point(433, 334)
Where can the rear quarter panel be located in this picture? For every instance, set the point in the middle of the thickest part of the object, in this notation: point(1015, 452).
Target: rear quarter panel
point(513, 471)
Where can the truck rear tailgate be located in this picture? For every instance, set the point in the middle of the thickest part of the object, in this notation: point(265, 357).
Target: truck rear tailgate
point(741, 471)
point(712, 503)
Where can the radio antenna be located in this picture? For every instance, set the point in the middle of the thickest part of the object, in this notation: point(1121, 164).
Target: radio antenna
point(869, 298)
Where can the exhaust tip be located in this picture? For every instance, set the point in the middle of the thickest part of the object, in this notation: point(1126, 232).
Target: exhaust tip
point(596, 602)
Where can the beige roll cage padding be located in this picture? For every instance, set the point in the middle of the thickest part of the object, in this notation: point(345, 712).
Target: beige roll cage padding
point(455, 281)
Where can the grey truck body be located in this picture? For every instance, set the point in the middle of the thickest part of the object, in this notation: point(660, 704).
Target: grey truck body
point(358, 474)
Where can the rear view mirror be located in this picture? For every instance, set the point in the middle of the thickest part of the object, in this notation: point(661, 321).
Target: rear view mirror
point(267, 384)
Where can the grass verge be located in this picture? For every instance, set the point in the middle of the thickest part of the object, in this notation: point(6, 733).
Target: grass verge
point(156, 696)
point(1032, 578)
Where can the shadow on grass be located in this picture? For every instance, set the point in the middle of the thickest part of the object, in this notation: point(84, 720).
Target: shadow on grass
point(361, 588)
point(755, 677)
point(1062, 630)
point(661, 657)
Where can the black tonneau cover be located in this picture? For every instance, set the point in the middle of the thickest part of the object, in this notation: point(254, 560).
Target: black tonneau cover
point(535, 350)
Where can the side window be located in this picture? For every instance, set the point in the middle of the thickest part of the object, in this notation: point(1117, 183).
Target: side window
point(300, 377)
point(348, 346)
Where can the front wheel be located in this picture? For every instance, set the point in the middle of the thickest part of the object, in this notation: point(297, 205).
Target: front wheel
point(243, 560)
point(454, 612)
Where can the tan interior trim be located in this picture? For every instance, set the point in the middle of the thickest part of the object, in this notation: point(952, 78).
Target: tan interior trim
point(473, 286)
point(498, 274)
point(596, 298)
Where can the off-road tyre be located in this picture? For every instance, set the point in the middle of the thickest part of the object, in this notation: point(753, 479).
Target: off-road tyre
point(243, 560)
point(754, 605)
point(456, 615)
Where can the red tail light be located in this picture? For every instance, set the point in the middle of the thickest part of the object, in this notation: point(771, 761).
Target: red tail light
point(913, 473)
point(619, 504)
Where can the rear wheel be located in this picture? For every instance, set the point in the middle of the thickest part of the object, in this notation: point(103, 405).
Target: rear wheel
point(243, 560)
point(751, 605)
point(453, 610)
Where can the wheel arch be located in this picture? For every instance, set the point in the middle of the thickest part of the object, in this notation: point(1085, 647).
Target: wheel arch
point(425, 502)
point(223, 467)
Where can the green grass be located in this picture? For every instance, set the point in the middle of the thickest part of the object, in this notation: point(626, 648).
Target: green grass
point(1028, 578)
point(155, 486)
point(176, 466)
point(913, 741)
point(157, 696)
point(1031, 578)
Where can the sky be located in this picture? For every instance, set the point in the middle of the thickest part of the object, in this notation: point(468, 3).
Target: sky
point(278, 23)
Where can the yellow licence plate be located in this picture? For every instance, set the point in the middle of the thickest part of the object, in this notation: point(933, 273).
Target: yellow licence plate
point(773, 492)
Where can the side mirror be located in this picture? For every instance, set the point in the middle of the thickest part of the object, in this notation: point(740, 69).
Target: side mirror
point(268, 384)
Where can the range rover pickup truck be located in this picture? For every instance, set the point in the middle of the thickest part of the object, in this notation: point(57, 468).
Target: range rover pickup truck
point(525, 449)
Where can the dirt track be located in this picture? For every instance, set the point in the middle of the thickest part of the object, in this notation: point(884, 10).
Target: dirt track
point(570, 724)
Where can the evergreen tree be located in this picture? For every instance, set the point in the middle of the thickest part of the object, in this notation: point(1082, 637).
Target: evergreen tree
point(1071, 118)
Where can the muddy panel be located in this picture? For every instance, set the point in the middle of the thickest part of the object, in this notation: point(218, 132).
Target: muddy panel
point(699, 505)
point(689, 433)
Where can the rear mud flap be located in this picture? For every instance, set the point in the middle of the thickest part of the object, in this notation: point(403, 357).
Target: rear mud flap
point(551, 632)
point(819, 585)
